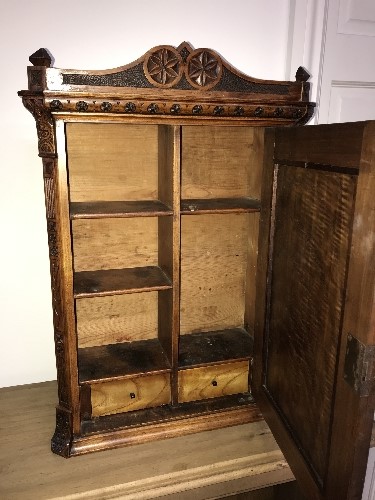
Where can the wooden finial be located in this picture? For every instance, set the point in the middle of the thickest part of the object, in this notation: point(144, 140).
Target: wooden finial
point(41, 58)
point(302, 75)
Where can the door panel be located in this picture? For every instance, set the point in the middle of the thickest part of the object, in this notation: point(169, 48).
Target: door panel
point(307, 246)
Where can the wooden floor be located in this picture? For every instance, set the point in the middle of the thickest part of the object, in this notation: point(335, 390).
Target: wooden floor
point(212, 464)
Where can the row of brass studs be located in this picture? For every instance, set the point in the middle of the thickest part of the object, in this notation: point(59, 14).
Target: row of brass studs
point(175, 109)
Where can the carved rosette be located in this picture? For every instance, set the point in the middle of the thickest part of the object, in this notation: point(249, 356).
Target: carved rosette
point(44, 125)
point(163, 67)
point(203, 69)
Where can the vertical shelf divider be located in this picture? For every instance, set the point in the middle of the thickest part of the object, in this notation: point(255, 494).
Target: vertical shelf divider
point(169, 246)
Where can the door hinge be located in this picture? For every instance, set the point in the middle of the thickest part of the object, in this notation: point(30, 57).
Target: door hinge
point(359, 369)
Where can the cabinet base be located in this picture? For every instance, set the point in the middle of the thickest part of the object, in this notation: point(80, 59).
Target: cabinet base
point(166, 422)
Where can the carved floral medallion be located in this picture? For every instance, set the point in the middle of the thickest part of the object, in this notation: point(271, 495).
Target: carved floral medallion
point(204, 68)
point(163, 67)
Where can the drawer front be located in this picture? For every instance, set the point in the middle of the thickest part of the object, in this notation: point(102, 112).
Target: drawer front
point(130, 394)
point(213, 381)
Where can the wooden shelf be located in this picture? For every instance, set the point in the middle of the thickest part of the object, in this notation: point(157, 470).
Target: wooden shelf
point(98, 364)
point(119, 281)
point(105, 209)
point(197, 349)
point(219, 205)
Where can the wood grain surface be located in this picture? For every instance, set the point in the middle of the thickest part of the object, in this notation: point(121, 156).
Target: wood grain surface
point(213, 381)
point(130, 394)
point(216, 162)
point(313, 214)
point(175, 468)
point(115, 243)
point(213, 265)
point(117, 318)
point(109, 162)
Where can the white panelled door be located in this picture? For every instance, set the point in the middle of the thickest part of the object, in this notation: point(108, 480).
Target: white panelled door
point(347, 87)
point(335, 41)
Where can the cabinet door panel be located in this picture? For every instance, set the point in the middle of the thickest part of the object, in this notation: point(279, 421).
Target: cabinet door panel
point(316, 215)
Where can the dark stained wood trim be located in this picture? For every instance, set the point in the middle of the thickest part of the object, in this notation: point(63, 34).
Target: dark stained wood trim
point(317, 166)
point(354, 414)
point(339, 144)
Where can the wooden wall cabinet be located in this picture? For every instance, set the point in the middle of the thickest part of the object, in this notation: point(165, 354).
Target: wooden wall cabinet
point(199, 258)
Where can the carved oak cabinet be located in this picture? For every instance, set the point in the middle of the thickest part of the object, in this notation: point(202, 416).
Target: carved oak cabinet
point(199, 259)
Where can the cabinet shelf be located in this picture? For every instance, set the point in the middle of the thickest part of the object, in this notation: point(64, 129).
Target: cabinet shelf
point(219, 205)
point(120, 281)
point(197, 349)
point(115, 361)
point(106, 209)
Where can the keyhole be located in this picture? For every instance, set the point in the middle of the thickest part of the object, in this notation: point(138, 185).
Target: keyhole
point(214, 383)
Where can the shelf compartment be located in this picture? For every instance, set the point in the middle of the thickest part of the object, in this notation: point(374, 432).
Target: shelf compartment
point(116, 243)
point(109, 161)
point(219, 205)
point(214, 255)
point(109, 209)
point(219, 162)
point(200, 349)
point(115, 361)
point(118, 318)
point(118, 281)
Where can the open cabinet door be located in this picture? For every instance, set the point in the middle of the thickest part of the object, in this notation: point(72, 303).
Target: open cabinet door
point(315, 316)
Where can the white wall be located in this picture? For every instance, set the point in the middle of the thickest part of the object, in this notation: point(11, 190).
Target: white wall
point(95, 34)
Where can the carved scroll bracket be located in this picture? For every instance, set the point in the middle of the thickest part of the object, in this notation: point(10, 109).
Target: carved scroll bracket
point(44, 125)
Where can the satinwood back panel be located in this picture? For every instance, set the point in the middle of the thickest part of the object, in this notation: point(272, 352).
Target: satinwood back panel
point(116, 318)
point(110, 162)
point(115, 243)
point(217, 162)
point(213, 266)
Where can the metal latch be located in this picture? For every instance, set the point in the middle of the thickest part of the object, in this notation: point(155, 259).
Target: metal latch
point(359, 369)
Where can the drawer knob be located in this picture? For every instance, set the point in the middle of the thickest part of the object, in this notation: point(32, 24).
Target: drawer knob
point(214, 383)
point(132, 395)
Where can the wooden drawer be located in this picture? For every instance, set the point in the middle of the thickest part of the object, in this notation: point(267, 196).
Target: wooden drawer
point(213, 381)
point(130, 394)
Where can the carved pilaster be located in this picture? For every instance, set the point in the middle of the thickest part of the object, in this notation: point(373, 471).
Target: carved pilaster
point(49, 174)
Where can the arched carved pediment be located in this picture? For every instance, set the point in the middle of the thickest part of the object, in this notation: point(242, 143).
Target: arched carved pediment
point(175, 81)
